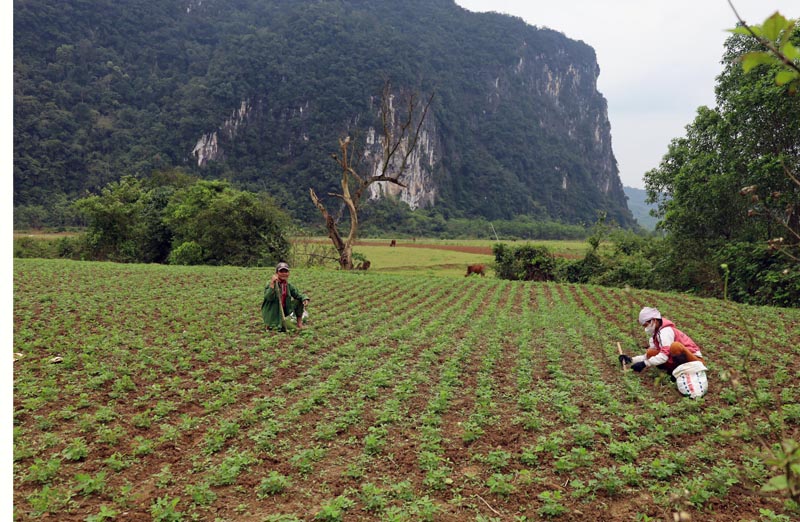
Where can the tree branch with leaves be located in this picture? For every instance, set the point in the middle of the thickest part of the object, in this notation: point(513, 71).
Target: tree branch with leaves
point(776, 35)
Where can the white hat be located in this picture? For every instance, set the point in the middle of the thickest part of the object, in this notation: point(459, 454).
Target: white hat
point(648, 313)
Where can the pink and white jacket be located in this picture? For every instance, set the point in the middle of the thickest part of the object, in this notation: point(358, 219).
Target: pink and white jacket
point(663, 339)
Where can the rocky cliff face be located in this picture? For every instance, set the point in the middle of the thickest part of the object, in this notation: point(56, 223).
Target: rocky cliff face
point(531, 110)
point(208, 147)
point(420, 189)
point(569, 106)
point(572, 89)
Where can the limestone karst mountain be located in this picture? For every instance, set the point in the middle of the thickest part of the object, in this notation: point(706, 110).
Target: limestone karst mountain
point(259, 91)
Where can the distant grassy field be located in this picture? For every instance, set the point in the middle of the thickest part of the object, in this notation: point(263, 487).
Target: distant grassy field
point(443, 257)
point(148, 392)
point(567, 248)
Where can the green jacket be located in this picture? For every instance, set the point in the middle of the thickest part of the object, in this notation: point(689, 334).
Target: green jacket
point(270, 310)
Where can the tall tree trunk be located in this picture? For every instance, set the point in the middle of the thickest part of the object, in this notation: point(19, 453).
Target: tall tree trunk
point(344, 249)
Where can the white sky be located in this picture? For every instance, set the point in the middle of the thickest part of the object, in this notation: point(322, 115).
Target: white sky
point(658, 60)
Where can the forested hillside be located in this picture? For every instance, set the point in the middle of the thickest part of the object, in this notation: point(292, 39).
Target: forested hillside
point(640, 208)
point(258, 91)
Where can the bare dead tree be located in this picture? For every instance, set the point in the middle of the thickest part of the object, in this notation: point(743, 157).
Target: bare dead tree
point(400, 137)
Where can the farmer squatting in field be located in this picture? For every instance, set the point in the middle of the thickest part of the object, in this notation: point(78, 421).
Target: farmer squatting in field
point(673, 351)
point(282, 299)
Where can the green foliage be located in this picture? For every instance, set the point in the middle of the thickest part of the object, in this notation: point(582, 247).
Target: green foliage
point(164, 509)
point(273, 484)
point(333, 510)
point(105, 513)
point(86, 484)
point(183, 222)
point(387, 217)
point(500, 484)
point(187, 253)
point(49, 500)
point(551, 504)
point(66, 247)
point(43, 471)
point(524, 262)
point(786, 458)
point(726, 181)
point(776, 33)
point(114, 227)
point(230, 226)
point(76, 450)
point(202, 494)
point(759, 275)
point(230, 468)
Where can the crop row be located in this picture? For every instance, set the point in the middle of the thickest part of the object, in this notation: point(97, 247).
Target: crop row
point(405, 398)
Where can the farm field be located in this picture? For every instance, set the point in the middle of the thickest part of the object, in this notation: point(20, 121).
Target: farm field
point(442, 257)
point(407, 397)
point(559, 246)
point(423, 256)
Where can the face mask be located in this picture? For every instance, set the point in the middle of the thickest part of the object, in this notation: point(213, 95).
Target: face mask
point(650, 330)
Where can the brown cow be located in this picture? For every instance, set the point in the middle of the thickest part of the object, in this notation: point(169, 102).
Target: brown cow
point(363, 266)
point(476, 269)
point(393, 243)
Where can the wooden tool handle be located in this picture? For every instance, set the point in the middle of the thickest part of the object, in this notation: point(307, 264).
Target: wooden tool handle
point(622, 364)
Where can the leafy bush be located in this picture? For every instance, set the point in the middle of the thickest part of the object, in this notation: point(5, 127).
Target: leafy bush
point(760, 276)
point(178, 220)
point(188, 253)
point(232, 227)
point(583, 270)
point(524, 263)
point(25, 247)
point(67, 247)
point(632, 270)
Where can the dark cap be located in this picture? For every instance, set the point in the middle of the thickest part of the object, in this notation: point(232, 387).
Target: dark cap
point(281, 266)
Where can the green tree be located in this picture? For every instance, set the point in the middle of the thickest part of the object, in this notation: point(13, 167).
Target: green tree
point(778, 37)
point(230, 227)
point(114, 228)
point(172, 217)
point(779, 56)
point(747, 140)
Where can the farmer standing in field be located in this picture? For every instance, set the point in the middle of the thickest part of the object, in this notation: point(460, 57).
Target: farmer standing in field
point(281, 299)
point(670, 350)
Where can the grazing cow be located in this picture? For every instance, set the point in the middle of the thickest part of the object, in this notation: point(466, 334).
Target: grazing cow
point(363, 266)
point(476, 269)
point(393, 243)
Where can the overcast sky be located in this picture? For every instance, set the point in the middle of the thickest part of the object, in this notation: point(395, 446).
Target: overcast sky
point(658, 60)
